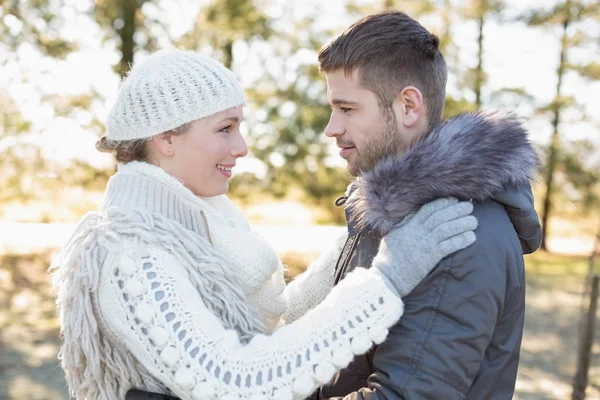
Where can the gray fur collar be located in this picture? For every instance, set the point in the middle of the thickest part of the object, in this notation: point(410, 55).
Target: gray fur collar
point(472, 156)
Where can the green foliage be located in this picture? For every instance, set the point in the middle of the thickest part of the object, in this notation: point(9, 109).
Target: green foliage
point(559, 265)
point(220, 24)
point(571, 10)
point(20, 161)
point(81, 174)
point(11, 120)
point(287, 130)
point(476, 9)
point(20, 168)
point(414, 8)
point(514, 98)
point(287, 109)
point(590, 71)
point(246, 187)
point(568, 16)
point(36, 22)
point(455, 106)
point(576, 162)
point(125, 22)
point(322, 188)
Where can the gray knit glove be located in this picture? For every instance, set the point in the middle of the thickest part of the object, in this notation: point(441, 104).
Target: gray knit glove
point(416, 245)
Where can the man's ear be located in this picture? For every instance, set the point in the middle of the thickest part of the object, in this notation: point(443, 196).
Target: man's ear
point(409, 106)
point(164, 144)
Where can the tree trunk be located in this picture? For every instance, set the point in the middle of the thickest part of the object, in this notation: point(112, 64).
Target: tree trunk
point(129, 10)
point(446, 34)
point(479, 70)
point(555, 140)
point(228, 54)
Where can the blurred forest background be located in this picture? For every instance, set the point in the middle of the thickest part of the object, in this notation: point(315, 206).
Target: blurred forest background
point(61, 62)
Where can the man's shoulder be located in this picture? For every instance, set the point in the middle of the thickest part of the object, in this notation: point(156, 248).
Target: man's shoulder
point(490, 212)
point(494, 227)
point(497, 249)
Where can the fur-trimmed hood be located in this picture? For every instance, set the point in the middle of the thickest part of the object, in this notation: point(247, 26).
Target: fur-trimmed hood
point(474, 156)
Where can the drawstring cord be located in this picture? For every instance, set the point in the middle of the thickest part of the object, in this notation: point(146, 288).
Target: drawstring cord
point(340, 201)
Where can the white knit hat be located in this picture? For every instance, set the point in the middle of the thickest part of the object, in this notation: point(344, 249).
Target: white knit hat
point(169, 89)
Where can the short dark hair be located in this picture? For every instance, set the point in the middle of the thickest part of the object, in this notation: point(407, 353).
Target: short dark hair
point(391, 51)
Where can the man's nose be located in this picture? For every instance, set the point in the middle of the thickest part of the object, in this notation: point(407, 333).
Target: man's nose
point(334, 127)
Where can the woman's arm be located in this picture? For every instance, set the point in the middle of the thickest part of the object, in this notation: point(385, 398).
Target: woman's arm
point(313, 285)
point(148, 303)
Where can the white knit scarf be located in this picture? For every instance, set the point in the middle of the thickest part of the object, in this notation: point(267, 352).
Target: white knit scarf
point(145, 203)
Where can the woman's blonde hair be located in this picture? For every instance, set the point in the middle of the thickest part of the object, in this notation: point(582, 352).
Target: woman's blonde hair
point(132, 150)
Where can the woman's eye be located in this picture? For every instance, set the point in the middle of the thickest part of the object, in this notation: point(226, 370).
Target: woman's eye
point(226, 129)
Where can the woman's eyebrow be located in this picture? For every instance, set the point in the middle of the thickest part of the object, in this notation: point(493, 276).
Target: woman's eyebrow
point(229, 119)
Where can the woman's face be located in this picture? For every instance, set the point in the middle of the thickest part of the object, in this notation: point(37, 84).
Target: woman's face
point(202, 158)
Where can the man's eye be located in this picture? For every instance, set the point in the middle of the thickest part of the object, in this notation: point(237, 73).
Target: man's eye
point(226, 129)
point(345, 109)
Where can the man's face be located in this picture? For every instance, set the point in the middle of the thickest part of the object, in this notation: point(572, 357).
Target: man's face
point(363, 131)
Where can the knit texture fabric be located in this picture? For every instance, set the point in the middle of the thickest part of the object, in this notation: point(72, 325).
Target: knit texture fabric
point(168, 89)
point(148, 301)
point(422, 240)
point(313, 285)
point(144, 186)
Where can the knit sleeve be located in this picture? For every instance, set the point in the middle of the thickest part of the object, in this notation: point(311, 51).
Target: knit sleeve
point(148, 303)
point(311, 287)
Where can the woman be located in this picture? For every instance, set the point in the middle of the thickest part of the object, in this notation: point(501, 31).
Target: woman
point(166, 288)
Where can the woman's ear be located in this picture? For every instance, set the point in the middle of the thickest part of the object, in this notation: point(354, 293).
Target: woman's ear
point(164, 144)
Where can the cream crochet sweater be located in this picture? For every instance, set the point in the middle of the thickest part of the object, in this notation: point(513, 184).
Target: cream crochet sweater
point(167, 292)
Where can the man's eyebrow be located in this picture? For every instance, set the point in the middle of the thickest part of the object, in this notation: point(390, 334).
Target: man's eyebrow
point(342, 101)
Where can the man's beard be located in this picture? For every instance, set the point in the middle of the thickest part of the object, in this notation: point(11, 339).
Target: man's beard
point(387, 142)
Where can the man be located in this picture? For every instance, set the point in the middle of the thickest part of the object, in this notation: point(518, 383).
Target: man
point(461, 331)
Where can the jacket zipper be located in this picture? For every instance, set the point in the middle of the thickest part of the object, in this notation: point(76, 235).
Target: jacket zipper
point(342, 269)
point(342, 262)
point(207, 227)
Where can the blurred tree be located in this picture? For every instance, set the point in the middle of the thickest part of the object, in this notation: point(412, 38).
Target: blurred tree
point(37, 23)
point(125, 21)
point(576, 183)
point(32, 27)
point(323, 187)
point(581, 166)
point(481, 11)
point(456, 105)
point(223, 22)
point(415, 8)
point(17, 175)
point(288, 134)
point(447, 12)
point(80, 173)
point(286, 130)
point(246, 187)
point(570, 17)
